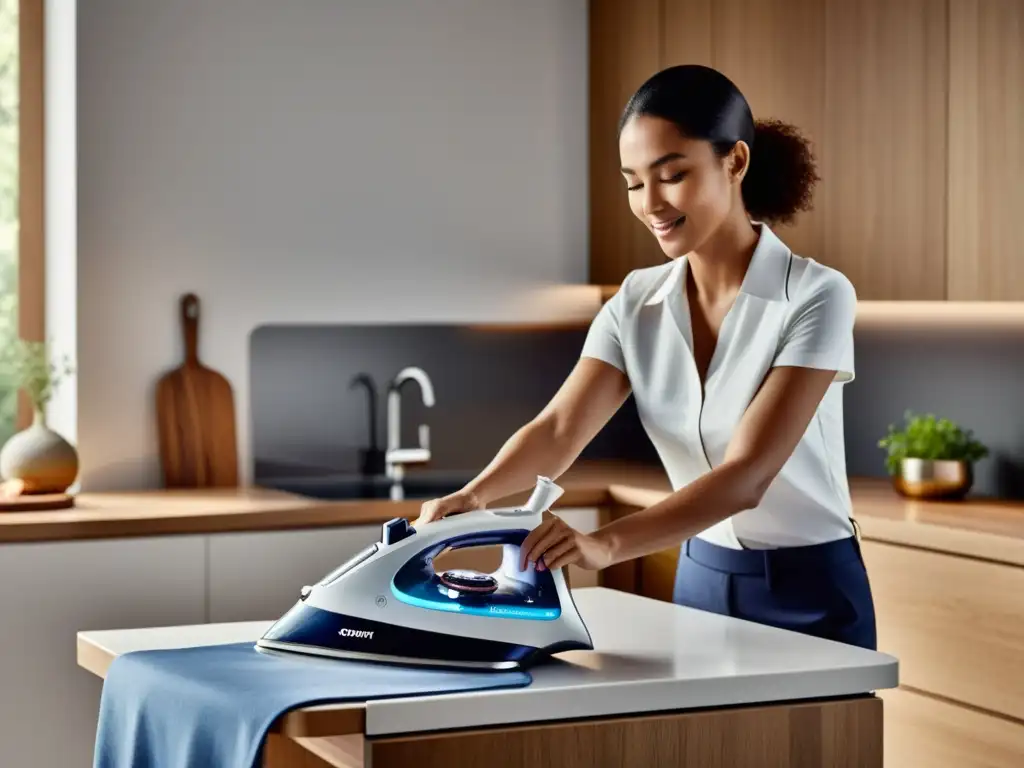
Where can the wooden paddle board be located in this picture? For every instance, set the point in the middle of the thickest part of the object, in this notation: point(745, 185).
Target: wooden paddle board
point(195, 408)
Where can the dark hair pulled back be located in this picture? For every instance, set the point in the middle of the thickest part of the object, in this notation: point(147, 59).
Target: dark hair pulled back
point(704, 104)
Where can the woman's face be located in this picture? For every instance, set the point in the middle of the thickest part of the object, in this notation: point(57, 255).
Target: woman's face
point(678, 187)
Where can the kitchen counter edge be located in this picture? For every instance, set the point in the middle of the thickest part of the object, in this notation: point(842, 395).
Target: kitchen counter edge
point(982, 528)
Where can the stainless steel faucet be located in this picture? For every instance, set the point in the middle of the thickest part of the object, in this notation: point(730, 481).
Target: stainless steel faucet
point(396, 457)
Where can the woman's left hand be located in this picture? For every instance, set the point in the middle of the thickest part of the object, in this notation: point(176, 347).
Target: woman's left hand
point(553, 544)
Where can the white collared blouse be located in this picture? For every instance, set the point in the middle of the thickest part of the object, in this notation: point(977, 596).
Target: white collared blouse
point(790, 310)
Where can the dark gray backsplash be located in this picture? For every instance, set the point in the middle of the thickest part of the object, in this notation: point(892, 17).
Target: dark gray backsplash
point(487, 384)
point(973, 378)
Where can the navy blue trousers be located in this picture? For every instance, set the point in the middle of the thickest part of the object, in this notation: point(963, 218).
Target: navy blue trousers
point(819, 590)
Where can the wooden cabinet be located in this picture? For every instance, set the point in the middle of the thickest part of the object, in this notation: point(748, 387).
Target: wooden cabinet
point(955, 623)
point(51, 591)
point(925, 731)
point(883, 156)
point(782, 81)
point(986, 150)
point(914, 108)
point(624, 51)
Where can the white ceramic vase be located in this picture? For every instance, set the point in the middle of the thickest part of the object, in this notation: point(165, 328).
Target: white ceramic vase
point(43, 460)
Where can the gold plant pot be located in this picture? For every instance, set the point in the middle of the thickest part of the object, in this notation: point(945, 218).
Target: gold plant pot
point(933, 478)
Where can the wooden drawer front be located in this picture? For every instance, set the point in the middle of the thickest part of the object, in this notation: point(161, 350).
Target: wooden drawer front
point(956, 624)
point(922, 731)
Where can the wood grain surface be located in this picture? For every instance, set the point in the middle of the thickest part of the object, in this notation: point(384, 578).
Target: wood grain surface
point(196, 417)
point(837, 734)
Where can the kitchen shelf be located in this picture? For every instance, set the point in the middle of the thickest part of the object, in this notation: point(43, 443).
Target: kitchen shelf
point(573, 306)
point(1006, 316)
point(925, 315)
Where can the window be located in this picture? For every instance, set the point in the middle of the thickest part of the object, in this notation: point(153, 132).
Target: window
point(21, 189)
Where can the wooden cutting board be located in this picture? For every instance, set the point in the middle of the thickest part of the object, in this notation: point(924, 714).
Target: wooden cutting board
point(195, 408)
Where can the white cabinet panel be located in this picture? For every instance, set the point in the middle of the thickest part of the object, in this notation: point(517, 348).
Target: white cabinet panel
point(50, 591)
point(257, 576)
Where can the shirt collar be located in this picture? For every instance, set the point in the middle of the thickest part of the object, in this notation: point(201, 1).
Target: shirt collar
point(767, 274)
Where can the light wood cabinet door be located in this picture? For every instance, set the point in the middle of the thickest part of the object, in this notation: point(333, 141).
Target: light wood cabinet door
point(865, 81)
point(921, 730)
point(986, 150)
point(956, 624)
point(883, 194)
point(773, 51)
point(625, 42)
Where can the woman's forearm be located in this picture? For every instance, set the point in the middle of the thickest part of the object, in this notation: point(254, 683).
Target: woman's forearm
point(537, 448)
point(726, 490)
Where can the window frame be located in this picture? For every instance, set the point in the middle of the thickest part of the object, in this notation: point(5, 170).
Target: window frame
point(31, 179)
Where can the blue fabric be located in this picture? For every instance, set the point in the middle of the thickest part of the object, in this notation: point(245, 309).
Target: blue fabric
point(820, 589)
point(212, 705)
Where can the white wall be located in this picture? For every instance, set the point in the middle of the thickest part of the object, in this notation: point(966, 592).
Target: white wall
point(312, 161)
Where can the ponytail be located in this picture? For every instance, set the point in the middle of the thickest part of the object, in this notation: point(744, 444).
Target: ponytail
point(780, 180)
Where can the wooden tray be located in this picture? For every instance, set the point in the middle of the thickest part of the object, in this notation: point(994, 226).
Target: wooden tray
point(37, 502)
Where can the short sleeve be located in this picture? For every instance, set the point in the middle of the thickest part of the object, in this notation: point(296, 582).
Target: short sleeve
point(820, 331)
point(604, 338)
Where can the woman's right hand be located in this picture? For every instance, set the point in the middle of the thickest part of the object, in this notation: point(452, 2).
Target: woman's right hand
point(460, 501)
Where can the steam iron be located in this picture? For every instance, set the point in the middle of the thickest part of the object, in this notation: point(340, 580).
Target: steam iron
point(387, 604)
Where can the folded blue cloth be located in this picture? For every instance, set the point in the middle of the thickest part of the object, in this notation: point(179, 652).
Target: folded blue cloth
point(212, 705)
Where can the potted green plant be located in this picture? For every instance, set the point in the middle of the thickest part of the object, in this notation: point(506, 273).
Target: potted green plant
point(38, 456)
point(931, 457)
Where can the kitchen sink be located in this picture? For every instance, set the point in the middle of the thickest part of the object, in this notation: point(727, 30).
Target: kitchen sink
point(355, 486)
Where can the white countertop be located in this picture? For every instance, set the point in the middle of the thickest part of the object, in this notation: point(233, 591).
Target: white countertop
point(649, 655)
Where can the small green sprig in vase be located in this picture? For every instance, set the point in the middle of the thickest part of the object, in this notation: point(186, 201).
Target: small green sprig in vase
point(42, 459)
point(931, 457)
point(29, 365)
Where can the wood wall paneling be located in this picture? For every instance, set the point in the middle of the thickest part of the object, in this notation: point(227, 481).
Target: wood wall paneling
point(686, 32)
point(986, 150)
point(774, 50)
point(624, 51)
point(884, 159)
point(915, 109)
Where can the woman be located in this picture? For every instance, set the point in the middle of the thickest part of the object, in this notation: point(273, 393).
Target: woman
point(735, 350)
